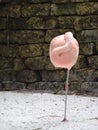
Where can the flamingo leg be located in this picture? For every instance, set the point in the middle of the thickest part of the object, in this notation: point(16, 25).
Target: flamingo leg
point(66, 92)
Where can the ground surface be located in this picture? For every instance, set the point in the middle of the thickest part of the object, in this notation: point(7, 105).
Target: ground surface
point(36, 111)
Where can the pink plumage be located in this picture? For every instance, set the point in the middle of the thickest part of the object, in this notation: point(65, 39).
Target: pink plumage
point(64, 51)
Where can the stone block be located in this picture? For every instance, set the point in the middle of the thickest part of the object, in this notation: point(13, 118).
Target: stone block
point(42, 23)
point(47, 86)
point(87, 48)
point(91, 87)
point(25, 37)
point(97, 46)
point(58, 75)
point(93, 22)
point(17, 23)
point(75, 86)
point(3, 38)
point(5, 1)
point(82, 75)
point(88, 36)
point(9, 85)
point(45, 48)
point(49, 65)
point(7, 75)
point(94, 7)
point(36, 63)
point(63, 9)
point(83, 8)
point(1, 88)
point(35, 10)
point(5, 63)
point(93, 61)
point(30, 50)
point(79, 0)
point(40, 1)
point(96, 74)
point(18, 64)
point(79, 24)
point(60, 1)
point(28, 76)
point(2, 23)
point(9, 51)
point(10, 11)
point(81, 62)
point(90, 22)
point(87, 8)
point(65, 22)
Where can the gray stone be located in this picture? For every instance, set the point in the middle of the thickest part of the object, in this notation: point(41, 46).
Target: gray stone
point(35, 10)
point(42, 23)
point(93, 61)
point(26, 76)
point(9, 85)
point(57, 75)
point(10, 11)
point(18, 64)
point(6, 63)
point(75, 86)
point(36, 63)
point(97, 46)
point(83, 8)
point(1, 88)
point(3, 38)
point(55, 87)
point(2, 23)
point(63, 9)
point(7, 75)
point(87, 8)
point(25, 37)
point(88, 36)
point(49, 65)
point(81, 62)
point(30, 50)
point(87, 48)
point(60, 1)
point(82, 75)
point(40, 1)
point(91, 87)
point(65, 22)
point(9, 51)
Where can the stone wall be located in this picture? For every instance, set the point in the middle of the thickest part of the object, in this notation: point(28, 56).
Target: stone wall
point(26, 29)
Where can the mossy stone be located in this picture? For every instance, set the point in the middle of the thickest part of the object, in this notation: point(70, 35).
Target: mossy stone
point(87, 48)
point(28, 76)
point(30, 50)
point(36, 63)
point(25, 37)
point(18, 64)
point(35, 10)
point(63, 9)
point(42, 23)
point(81, 62)
point(10, 11)
point(93, 61)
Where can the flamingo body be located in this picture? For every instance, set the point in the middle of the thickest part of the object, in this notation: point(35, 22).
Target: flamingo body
point(64, 51)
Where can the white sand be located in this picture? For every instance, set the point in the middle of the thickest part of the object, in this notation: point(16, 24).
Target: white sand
point(36, 111)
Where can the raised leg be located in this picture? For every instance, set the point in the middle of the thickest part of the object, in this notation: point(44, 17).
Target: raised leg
point(66, 91)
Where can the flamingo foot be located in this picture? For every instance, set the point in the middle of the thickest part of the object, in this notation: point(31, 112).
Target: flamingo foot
point(64, 120)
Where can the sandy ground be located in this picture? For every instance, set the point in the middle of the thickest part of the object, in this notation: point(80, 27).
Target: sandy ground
point(44, 111)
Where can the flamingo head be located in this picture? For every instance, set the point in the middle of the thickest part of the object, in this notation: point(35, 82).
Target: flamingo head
point(68, 35)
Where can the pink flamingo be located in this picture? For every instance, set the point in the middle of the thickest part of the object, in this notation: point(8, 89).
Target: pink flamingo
point(64, 50)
